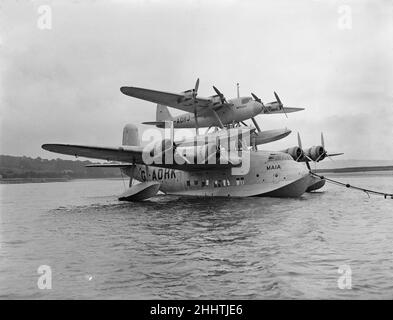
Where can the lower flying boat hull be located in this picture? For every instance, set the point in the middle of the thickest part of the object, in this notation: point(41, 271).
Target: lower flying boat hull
point(270, 174)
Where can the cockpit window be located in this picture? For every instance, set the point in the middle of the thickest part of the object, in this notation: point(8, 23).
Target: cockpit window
point(246, 100)
point(279, 156)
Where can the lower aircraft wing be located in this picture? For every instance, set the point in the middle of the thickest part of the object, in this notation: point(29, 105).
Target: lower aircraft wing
point(122, 154)
point(127, 154)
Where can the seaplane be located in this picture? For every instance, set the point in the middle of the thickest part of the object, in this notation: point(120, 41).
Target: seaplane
point(223, 163)
point(213, 111)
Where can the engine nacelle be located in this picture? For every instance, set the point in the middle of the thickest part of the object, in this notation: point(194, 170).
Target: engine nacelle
point(295, 152)
point(188, 94)
point(316, 153)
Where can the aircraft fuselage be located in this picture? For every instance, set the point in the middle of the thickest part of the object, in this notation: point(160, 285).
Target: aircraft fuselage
point(270, 174)
point(239, 109)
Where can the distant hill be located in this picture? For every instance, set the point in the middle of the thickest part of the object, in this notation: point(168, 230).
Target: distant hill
point(12, 167)
point(336, 163)
point(357, 169)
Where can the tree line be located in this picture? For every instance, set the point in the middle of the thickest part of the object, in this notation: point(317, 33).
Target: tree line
point(26, 167)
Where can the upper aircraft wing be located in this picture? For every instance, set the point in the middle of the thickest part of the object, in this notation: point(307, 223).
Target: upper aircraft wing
point(128, 154)
point(174, 100)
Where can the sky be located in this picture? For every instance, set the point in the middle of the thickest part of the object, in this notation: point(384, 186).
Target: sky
point(61, 85)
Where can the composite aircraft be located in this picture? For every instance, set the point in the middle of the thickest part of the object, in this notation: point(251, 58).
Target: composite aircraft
point(225, 163)
point(217, 111)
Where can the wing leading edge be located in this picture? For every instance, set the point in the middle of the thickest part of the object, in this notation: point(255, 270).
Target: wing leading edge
point(174, 100)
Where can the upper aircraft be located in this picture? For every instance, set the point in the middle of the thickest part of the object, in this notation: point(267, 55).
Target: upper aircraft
point(213, 111)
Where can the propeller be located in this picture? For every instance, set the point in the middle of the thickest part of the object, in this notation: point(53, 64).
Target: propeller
point(325, 153)
point(280, 105)
point(260, 101)
point(222, 98)
point(299, 143)
point(194, 95)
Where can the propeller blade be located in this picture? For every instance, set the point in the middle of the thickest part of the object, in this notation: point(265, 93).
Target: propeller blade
point(299, 157)
point(280, 103)
point(322, 141)
point(260, 101)
point(196, 87)
point(217, 91)
point(308, 166)
point(277, 98)
point(323, 154)
point(256, 98)
point(299, 141)
point(223, 100)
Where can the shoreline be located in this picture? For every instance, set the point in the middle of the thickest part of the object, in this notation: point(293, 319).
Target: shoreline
point(47, 180)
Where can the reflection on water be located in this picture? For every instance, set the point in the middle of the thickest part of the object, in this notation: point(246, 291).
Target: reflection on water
point(175, 247)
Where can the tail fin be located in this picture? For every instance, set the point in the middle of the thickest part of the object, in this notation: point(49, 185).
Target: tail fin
point(162, 113)
point(131, 135)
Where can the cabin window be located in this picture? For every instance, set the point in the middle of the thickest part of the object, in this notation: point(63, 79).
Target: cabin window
point(195, 182)
point(226, 183)
point(237, 181)
point(188, 183)
point(241, 180)
point(215, 183)
point(207, 182)
point(203, 183)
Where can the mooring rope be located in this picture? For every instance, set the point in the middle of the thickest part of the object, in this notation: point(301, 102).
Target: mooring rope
point(347, 185)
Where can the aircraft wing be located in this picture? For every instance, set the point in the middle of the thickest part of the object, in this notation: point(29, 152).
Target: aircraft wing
point(128, 154)
point(335, 154)
point(174, 100)
point(286, 109)
point(122, 154)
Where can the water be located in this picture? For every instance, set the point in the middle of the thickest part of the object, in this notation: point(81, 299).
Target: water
point(173, 247)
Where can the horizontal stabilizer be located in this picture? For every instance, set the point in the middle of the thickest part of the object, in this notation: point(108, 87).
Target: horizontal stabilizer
point(160, 124)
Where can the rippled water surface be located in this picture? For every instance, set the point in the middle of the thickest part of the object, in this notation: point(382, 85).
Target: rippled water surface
point(173, 247)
